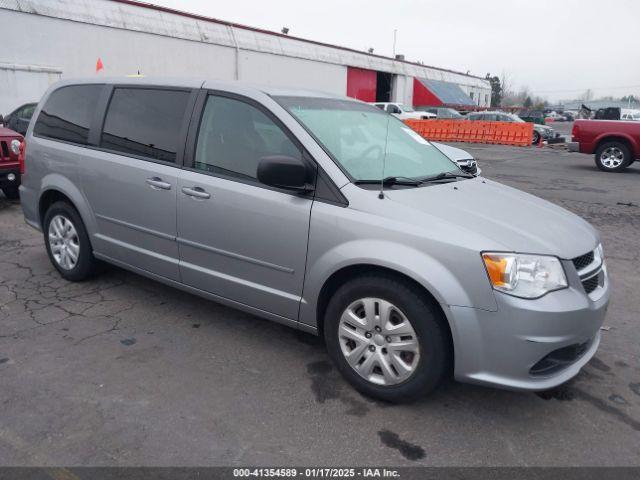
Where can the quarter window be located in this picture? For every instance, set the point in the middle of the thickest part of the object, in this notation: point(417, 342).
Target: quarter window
point(234, 136)
point(67, 114)
point(145, 122)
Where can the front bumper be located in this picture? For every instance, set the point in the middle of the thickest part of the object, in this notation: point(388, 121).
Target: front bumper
point(9, 177)
point(511, 347)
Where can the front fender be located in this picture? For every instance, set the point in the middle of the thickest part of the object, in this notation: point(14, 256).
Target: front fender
point(416, 264)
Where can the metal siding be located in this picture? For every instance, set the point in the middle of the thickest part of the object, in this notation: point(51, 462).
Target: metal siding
point(130, 37)
point(445, 92)
point(423, 97)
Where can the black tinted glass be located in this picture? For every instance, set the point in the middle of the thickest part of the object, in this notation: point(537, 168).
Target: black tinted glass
point(145, 122)
point(68, 113)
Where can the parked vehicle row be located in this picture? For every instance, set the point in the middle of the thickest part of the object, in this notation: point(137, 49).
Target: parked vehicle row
point(322, 213)
point(540, 132)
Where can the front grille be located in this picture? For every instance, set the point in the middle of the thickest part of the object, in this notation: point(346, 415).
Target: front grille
point(591, 284)
point(583, 261)
point(559, 359)
point(5, 151)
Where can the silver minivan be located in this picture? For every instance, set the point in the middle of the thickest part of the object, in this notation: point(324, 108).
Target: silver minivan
point(322, 213)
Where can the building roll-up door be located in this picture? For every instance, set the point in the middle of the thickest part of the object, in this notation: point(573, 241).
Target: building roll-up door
point(361, 84)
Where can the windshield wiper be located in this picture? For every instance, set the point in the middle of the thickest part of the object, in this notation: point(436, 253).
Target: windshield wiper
point(446, 176)
point(391, 181)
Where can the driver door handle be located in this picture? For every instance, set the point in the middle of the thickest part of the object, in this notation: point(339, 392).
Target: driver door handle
point(157, 182)
point(196, 192)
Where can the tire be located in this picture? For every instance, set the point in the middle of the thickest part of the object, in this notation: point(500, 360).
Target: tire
point(12, 193)
point(409, 304)
point(62, 214)
point(613, 156)
point(536, 138)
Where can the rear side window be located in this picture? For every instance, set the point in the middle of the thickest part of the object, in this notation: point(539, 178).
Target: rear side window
point(67, 114)
point(145, 122)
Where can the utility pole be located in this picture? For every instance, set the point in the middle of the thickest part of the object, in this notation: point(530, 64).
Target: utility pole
point(395, 32)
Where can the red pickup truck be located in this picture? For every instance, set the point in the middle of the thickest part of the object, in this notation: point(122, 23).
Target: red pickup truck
point(10, 142)
point(616, 144)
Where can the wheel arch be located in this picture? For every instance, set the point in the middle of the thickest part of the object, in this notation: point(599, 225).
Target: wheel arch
point(55, 188)
point(617, 138)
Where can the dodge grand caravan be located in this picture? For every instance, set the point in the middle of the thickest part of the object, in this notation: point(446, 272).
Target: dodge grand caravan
point(322, 213)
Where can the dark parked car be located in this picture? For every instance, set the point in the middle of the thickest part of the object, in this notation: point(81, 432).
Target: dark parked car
point(539, 131)
point(18, 120)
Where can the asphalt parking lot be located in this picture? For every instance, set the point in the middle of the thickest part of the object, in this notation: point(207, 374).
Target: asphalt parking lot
point(122, 370)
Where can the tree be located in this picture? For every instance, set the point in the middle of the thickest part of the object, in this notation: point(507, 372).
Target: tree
point(528, 103)
point(496, 90)
point(587, 95)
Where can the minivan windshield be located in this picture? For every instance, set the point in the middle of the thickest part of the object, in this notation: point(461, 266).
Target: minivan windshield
point(366, 142)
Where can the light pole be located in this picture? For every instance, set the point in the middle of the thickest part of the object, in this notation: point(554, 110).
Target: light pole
point(395, 31)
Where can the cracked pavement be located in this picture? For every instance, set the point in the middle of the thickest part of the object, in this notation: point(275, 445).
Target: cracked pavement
point(121, 370)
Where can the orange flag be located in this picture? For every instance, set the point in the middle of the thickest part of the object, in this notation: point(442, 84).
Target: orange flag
point(99, 65)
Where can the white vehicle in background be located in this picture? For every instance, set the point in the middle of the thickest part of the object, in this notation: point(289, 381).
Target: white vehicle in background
point(630, 115)
point(403, 112)
point(464, 159)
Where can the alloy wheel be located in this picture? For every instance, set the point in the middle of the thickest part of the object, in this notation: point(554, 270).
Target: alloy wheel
point(64, 242)
point(612, 157)
point(378, 341)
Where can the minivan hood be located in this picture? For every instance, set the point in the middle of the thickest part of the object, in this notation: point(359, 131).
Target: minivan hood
point(508, 217)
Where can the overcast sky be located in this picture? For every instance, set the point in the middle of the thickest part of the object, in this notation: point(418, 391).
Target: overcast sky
point(557, 48)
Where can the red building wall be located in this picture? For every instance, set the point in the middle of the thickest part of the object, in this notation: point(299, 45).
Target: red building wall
point(361, 84)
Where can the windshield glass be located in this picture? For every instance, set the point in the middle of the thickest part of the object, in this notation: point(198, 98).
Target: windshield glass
point(355, 135)
point(405, 108)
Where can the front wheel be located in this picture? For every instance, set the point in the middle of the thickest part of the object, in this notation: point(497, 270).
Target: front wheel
point(613, 157)
point(386, 338)
point(536, 138)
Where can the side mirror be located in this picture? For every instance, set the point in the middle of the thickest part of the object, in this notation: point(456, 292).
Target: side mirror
point(285, 172)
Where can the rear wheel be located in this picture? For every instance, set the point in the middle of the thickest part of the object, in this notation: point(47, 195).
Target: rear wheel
point(386, 338)
point(12, 193)
point(613, 157)
point(67, 242)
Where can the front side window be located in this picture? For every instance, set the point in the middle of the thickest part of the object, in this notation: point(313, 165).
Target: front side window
point(145, 122)
point(234, 136)
point(365, 142)
point(67, 114)
point(393, 109)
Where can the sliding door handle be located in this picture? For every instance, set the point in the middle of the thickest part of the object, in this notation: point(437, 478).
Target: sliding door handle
point(158, 183)
point(195, 192)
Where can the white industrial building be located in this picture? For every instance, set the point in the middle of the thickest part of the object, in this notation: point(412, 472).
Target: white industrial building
point(45, 40)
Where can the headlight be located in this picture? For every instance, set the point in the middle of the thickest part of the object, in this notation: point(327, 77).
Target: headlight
point(524, 276)
point(15, 146)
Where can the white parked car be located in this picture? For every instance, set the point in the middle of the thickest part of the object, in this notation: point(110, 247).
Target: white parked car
point(403, 112)
point(630, 115)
